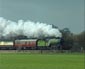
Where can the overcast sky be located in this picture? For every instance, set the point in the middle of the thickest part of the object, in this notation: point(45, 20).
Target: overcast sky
point(62, 13)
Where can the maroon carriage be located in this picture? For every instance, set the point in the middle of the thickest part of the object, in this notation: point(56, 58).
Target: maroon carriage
point(25, 43)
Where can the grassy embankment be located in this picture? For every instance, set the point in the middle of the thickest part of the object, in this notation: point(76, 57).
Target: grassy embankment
point(41, 61)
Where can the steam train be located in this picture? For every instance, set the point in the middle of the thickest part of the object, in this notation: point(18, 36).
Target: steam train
point(31, 44)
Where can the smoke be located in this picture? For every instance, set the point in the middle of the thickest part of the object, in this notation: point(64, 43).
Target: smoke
point(28, 28)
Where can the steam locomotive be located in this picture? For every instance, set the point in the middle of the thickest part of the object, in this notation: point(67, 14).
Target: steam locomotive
point(31, 44)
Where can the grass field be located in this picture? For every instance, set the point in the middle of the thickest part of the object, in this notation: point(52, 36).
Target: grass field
point(41, 61)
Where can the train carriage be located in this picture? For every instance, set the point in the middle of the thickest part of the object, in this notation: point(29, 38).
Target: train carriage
point(46, 43)
point(25, 43)
point(6, 44)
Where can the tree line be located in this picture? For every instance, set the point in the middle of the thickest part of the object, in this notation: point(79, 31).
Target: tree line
point(70, 41)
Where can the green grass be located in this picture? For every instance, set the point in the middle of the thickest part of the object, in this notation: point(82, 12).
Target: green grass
point(41, 61)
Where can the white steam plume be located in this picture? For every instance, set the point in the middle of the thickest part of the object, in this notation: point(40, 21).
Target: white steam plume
point(30, 29)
